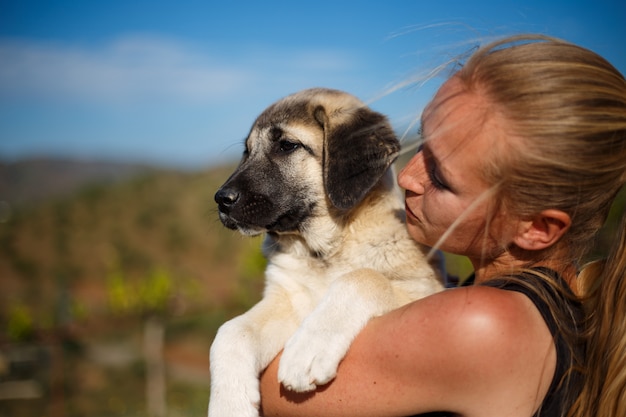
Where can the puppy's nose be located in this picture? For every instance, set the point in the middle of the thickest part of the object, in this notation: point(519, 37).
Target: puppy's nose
point(226, 197)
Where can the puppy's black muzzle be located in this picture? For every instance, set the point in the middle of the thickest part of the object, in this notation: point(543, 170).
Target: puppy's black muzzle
point(226, 198)
point(228, 201)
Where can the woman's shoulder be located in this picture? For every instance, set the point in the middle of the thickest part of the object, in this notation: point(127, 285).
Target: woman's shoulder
point(477, 318)
point(477, 342)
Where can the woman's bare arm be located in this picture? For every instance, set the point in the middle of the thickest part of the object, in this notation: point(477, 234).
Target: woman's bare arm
point(473, 351)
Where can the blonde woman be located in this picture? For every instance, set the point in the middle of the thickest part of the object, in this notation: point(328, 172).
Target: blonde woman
point(524, 151)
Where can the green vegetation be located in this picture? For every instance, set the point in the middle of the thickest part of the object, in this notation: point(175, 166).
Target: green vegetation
point(87, 278)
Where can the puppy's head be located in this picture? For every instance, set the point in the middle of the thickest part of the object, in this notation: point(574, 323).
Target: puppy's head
point(316, 148)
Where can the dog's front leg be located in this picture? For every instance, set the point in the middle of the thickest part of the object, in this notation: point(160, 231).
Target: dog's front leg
point(312, 355)
point(242, 348)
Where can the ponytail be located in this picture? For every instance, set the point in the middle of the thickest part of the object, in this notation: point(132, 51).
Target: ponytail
point(604, 295)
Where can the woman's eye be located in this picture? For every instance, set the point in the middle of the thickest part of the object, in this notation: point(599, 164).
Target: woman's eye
point(433, 174)
point(287, 146)
point(437, 182)
point(431, 169)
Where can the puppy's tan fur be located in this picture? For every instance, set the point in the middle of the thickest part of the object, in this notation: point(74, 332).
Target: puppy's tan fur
point(317, 178)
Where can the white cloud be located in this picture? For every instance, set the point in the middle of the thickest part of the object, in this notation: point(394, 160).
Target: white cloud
point(134, 68)
point(143, 68)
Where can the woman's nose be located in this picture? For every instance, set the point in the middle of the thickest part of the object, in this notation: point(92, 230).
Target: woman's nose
point(411, 177)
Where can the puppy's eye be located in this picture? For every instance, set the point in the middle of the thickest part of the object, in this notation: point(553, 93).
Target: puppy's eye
point(287, 146)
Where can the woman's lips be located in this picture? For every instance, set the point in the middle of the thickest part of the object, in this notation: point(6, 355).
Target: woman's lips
point(409, 214)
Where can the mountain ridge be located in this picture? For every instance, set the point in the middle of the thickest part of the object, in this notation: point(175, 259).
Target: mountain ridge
point(34, 179)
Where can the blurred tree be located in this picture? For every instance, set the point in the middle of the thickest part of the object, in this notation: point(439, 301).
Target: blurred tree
point(20, 323)
point(150, 298)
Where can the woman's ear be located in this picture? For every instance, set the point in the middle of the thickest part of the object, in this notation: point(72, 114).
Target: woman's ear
point(543, 230)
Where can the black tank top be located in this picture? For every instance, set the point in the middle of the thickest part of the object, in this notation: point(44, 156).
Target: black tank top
point(563, 322)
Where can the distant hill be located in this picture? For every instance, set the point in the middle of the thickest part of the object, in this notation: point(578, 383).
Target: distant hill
point(84, 220)
point(35, 179)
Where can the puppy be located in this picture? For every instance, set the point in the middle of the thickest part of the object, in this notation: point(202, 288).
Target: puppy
point(316, 177)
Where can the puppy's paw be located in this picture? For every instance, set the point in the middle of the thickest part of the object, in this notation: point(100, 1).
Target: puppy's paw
point(234, 381)
point(233, 410)
point(240, 400)
point(310, 360)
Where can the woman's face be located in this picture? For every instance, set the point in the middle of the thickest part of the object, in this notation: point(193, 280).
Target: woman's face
point(443, 180)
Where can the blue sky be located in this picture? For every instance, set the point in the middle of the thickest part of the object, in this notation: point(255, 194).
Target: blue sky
point(180, 82)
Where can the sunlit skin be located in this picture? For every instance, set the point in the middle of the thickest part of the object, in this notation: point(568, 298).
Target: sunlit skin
point(474, 351)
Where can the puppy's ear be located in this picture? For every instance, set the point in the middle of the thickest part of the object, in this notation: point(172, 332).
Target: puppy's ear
point(359, 146)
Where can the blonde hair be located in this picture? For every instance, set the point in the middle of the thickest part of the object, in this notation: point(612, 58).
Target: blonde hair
point(566, 108)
